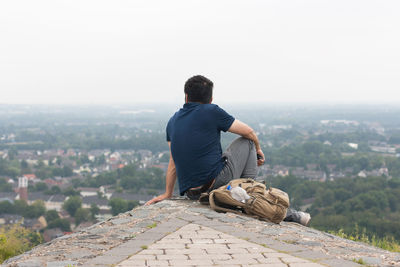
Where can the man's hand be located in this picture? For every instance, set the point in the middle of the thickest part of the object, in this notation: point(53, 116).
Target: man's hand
point(157, 199)
point(262, 159)
point(169, 182)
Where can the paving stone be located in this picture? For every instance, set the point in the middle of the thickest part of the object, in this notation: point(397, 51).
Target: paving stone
point(161, 205)
point(145, 224)
point(188, 251)
point(232, 219)
point(310, 254)
point(247, 256)
point(160, 217)
point(339, 263)
point(235, 261)
point(266, 265)
point(269, 260)
point(217, 256)
point(107, 259)
point(89, 236)
point(371, 260)
point(272, 231)
point(174, 257)
point(121, 221)
point(289, 259)
point(157, 263)
point(287, 247)
point(135, 262)
point(309, 243)
point(61, 263)
point(123, 250)
point(32, 263)
point(152, 252)
point(98, 230)
point(201, 262)
point(308, 264)
point(139, 214)
point(96, 246)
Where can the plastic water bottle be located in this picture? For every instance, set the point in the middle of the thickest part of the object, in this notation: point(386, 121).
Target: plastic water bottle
point(239, 194)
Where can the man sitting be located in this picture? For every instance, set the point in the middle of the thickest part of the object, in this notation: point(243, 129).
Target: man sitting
point(194, 138)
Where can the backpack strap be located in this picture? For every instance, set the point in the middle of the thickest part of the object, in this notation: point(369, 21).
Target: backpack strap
point(217, 207)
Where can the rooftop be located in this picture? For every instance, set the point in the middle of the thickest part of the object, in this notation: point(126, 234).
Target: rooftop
point(184, 233)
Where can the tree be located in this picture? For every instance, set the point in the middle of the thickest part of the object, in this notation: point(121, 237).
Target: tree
point(82, 215)
point(51, 215)
point(20, 206)
point(63, 224)
point(41, 186)
point(67, 171)
point(72, 204)
point(35, 210)
point(118, 205)
point(94, 210)
point(55, 190)
point(6, 207)
point(15, 240)
point(4, 186)
point(70, 191)
point(132, 204)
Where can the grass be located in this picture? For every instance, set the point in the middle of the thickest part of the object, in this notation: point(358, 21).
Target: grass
point(144, 247)
point(289, 241)
point(387, 242)
point(359, 261)
point(151, 225)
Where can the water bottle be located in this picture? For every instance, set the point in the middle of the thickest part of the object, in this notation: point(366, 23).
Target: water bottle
point(239, 194)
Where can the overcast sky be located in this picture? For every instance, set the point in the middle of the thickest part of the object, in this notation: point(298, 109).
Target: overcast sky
point(96, 52)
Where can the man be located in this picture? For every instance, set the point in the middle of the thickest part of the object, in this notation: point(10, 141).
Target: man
point(193, 135)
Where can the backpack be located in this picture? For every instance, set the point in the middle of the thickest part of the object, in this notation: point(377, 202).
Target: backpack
point(264, 204)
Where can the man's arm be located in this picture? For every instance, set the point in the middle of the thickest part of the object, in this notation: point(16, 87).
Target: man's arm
point(169, 181)
point(246, 131)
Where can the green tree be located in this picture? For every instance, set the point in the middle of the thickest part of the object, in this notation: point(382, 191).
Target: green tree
point(118, 205)
point(51, 215)
point(67, 171)
point(72, 204)
point(6, 207)
point(40, 186)
point(15, 240)
point(35, 210)
point(82, 215)
point(63, 224)
point(70, 191)
point(94, 210)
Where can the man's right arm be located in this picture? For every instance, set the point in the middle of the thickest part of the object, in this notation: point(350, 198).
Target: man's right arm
point(169, 181)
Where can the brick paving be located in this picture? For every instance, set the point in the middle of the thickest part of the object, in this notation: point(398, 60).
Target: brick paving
point(196, 245)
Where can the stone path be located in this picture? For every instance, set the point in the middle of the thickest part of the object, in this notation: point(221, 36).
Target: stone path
point(195, 245)
point(142, 236)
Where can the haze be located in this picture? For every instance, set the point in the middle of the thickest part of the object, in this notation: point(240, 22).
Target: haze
point(95, 52)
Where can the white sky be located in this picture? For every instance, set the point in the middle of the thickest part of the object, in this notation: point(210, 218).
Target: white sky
point(95, 51)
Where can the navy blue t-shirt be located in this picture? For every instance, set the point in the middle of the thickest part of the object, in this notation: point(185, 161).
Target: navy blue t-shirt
point(195, 133)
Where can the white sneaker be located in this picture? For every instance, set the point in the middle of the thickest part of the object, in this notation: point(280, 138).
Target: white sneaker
point(305, 218)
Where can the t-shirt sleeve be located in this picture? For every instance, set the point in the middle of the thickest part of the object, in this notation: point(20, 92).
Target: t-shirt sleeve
point(167, 130)
point(224, 120)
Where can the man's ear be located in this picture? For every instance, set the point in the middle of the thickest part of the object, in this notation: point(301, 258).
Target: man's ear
point(186, 98)
point(211, 100)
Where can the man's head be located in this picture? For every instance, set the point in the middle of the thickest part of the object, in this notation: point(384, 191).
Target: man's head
point(199, 89)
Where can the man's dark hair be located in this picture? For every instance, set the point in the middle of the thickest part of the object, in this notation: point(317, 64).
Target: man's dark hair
point(199, 89)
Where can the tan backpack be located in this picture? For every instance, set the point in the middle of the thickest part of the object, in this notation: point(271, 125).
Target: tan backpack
point(264, 204)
